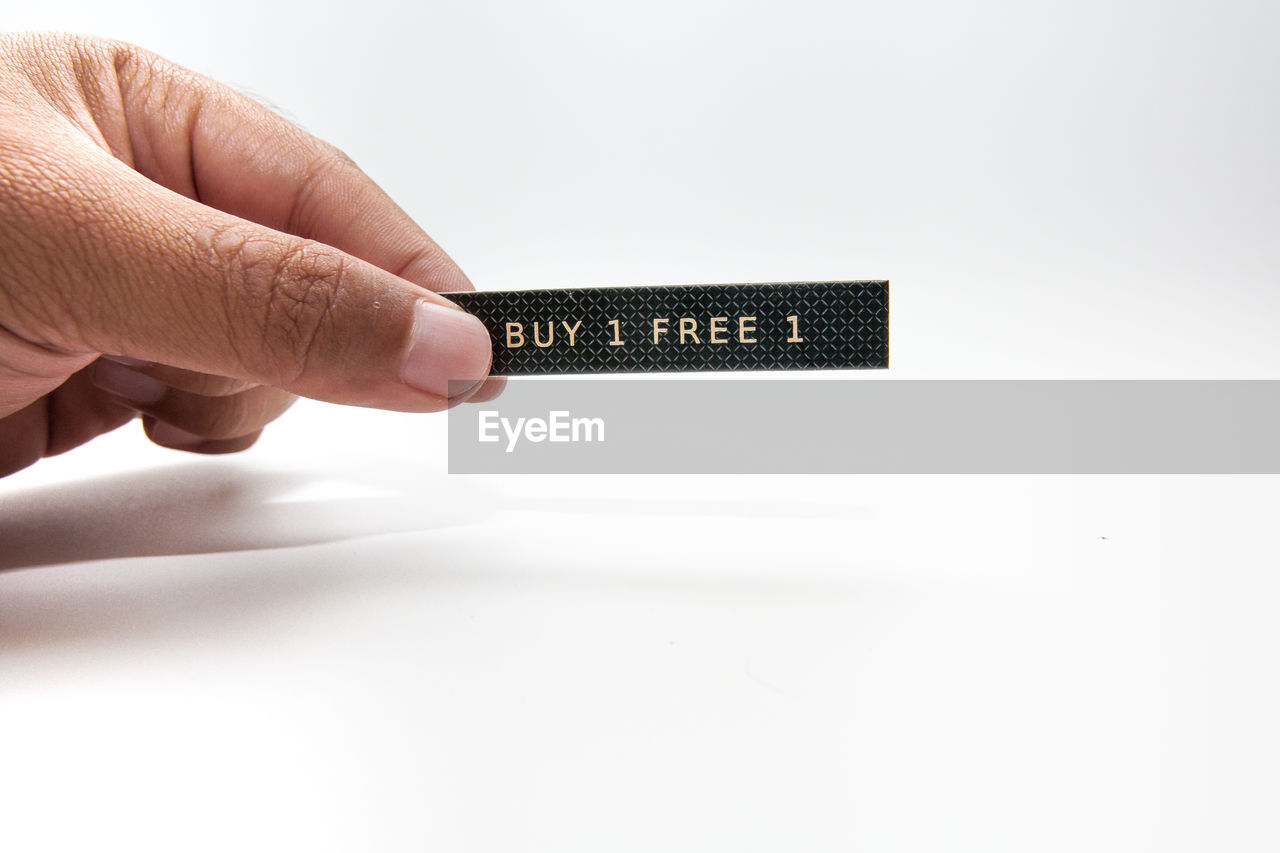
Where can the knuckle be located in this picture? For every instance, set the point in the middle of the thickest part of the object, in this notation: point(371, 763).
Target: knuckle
point(70, 73)
point(330, 164)
point(338, 158)
point(280, 295)
point(303, 295)
point(139, 69)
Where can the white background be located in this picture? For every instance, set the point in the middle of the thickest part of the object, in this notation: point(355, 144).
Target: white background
point(329, 644)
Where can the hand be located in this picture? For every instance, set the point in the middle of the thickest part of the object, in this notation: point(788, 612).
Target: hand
point(224, 258)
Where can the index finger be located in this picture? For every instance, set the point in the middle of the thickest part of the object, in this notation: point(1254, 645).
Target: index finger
point(203, 139)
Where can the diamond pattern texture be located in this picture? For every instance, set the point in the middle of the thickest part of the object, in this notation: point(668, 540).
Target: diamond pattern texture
point(844, 324)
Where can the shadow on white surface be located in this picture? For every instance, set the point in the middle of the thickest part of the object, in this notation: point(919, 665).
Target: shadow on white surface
point(209, 549)
point(215, 508)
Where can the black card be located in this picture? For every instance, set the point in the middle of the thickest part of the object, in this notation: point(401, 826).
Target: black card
point(805, 325)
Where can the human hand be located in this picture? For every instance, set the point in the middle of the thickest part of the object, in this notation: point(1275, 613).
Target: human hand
point(226, 259)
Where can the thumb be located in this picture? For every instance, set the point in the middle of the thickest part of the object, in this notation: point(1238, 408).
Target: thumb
point(177, 282)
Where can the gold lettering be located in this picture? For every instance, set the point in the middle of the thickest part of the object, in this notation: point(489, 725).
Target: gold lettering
point(659, 328)
point(743, 328)
point(617, 333)
point(795, 330)
point(551, 335)
point(689, 327)
point(718, 330)
point(515, 335)
point(572, 330)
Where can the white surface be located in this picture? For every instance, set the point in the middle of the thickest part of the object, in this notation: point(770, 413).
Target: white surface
point(329, 644)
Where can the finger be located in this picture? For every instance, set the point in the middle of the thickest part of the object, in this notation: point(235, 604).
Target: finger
point(173, 438)
point(211, 143)
point(74, 413)
point(205, 384)
point(23, 437)
point(208, 142)
point(226, 417)
point(79, 412)
point(155, 276)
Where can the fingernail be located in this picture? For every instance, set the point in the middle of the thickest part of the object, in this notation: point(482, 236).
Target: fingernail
point(127, 384)
point(448, 347)
point(170, 436)
point(126, 361)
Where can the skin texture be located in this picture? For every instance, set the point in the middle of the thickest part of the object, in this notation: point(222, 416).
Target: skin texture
point(172, 249)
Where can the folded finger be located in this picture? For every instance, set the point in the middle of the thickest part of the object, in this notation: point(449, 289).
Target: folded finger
point(205, 384)
point(167, 435)
point(228, 416)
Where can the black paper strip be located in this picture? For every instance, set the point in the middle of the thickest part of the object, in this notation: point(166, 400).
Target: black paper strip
point(673, 328)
